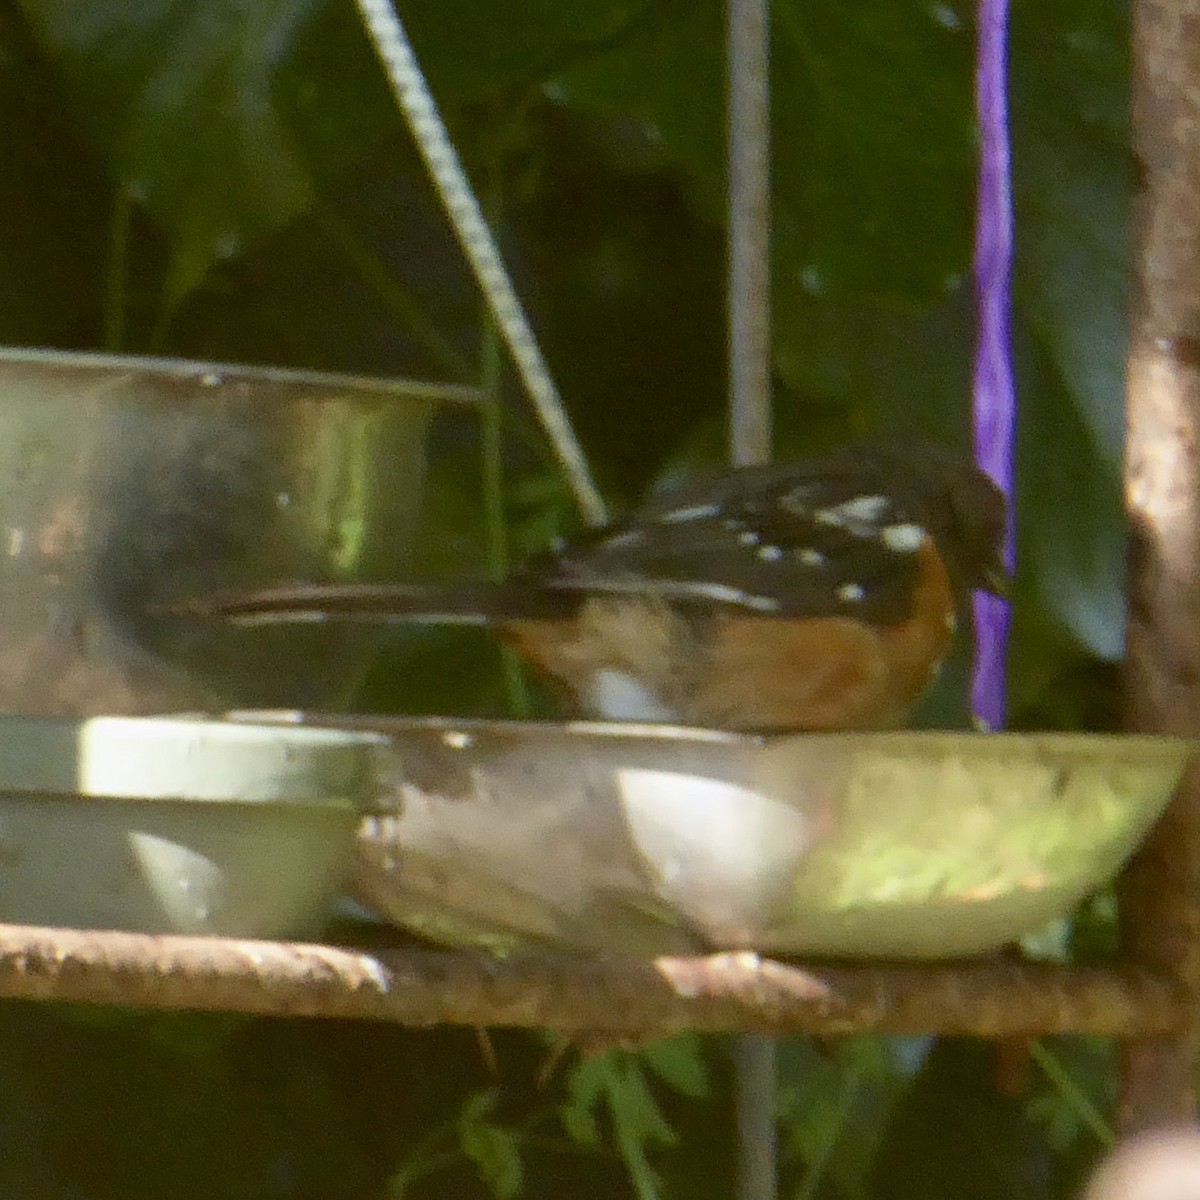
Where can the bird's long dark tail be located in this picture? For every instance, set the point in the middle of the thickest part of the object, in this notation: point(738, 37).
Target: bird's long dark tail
point(473, 603)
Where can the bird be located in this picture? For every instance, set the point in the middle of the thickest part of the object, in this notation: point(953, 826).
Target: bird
point(815, 594)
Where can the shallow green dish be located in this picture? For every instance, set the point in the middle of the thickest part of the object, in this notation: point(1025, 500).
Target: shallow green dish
point(653, 839)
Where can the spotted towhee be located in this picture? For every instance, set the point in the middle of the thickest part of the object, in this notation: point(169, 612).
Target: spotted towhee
point(818, 594)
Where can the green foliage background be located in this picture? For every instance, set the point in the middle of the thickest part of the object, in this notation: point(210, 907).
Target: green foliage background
point(228, 179)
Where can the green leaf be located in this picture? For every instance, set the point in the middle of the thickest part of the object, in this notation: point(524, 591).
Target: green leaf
point(615, 1083)
point(1070, 1098)
point(471, 52)
point(580, 1122)
point(679, 1061)
point(873, 107)
point(1072, 181)
point(495, 1151)
point(873, 162)
point(178, 97)
point(834, 1102)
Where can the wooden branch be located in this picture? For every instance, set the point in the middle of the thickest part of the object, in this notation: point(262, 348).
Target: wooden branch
point(1161, 894)
point(725, 993)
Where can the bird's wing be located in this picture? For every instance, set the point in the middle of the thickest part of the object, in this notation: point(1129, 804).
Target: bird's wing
point(773, 541)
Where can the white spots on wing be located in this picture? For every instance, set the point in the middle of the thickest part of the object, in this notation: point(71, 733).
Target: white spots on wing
point(748, 538)
point(798, 500)
point(862, 510)
point(770, 553)
point(865, 508)
point(723, 593)
point(558, 545)
point(811, 558)
point(904, 539)
point(630, 537)
point(851, 593)
point(731, 523)
point(694, 512)
point(667, 589)
point(619, 696)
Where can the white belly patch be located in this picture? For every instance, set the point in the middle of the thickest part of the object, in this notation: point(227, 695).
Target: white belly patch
point(616, 695)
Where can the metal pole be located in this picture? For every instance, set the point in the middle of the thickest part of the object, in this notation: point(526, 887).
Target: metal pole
point(749, 232)
point(749, 299)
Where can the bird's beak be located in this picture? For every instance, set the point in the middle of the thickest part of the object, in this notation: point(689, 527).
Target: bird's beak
point(997, 580)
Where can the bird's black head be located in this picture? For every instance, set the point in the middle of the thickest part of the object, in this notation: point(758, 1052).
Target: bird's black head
point(964, 511)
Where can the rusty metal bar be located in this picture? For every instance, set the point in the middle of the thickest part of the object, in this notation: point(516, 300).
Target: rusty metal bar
point(1161, 890)
point(720, 993)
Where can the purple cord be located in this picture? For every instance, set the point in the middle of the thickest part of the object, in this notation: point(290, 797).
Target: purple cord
point(993, 389)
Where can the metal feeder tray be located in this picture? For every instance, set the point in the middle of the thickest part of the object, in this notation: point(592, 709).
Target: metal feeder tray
point(178, 825)
point(653, 839)
point(127, 483)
